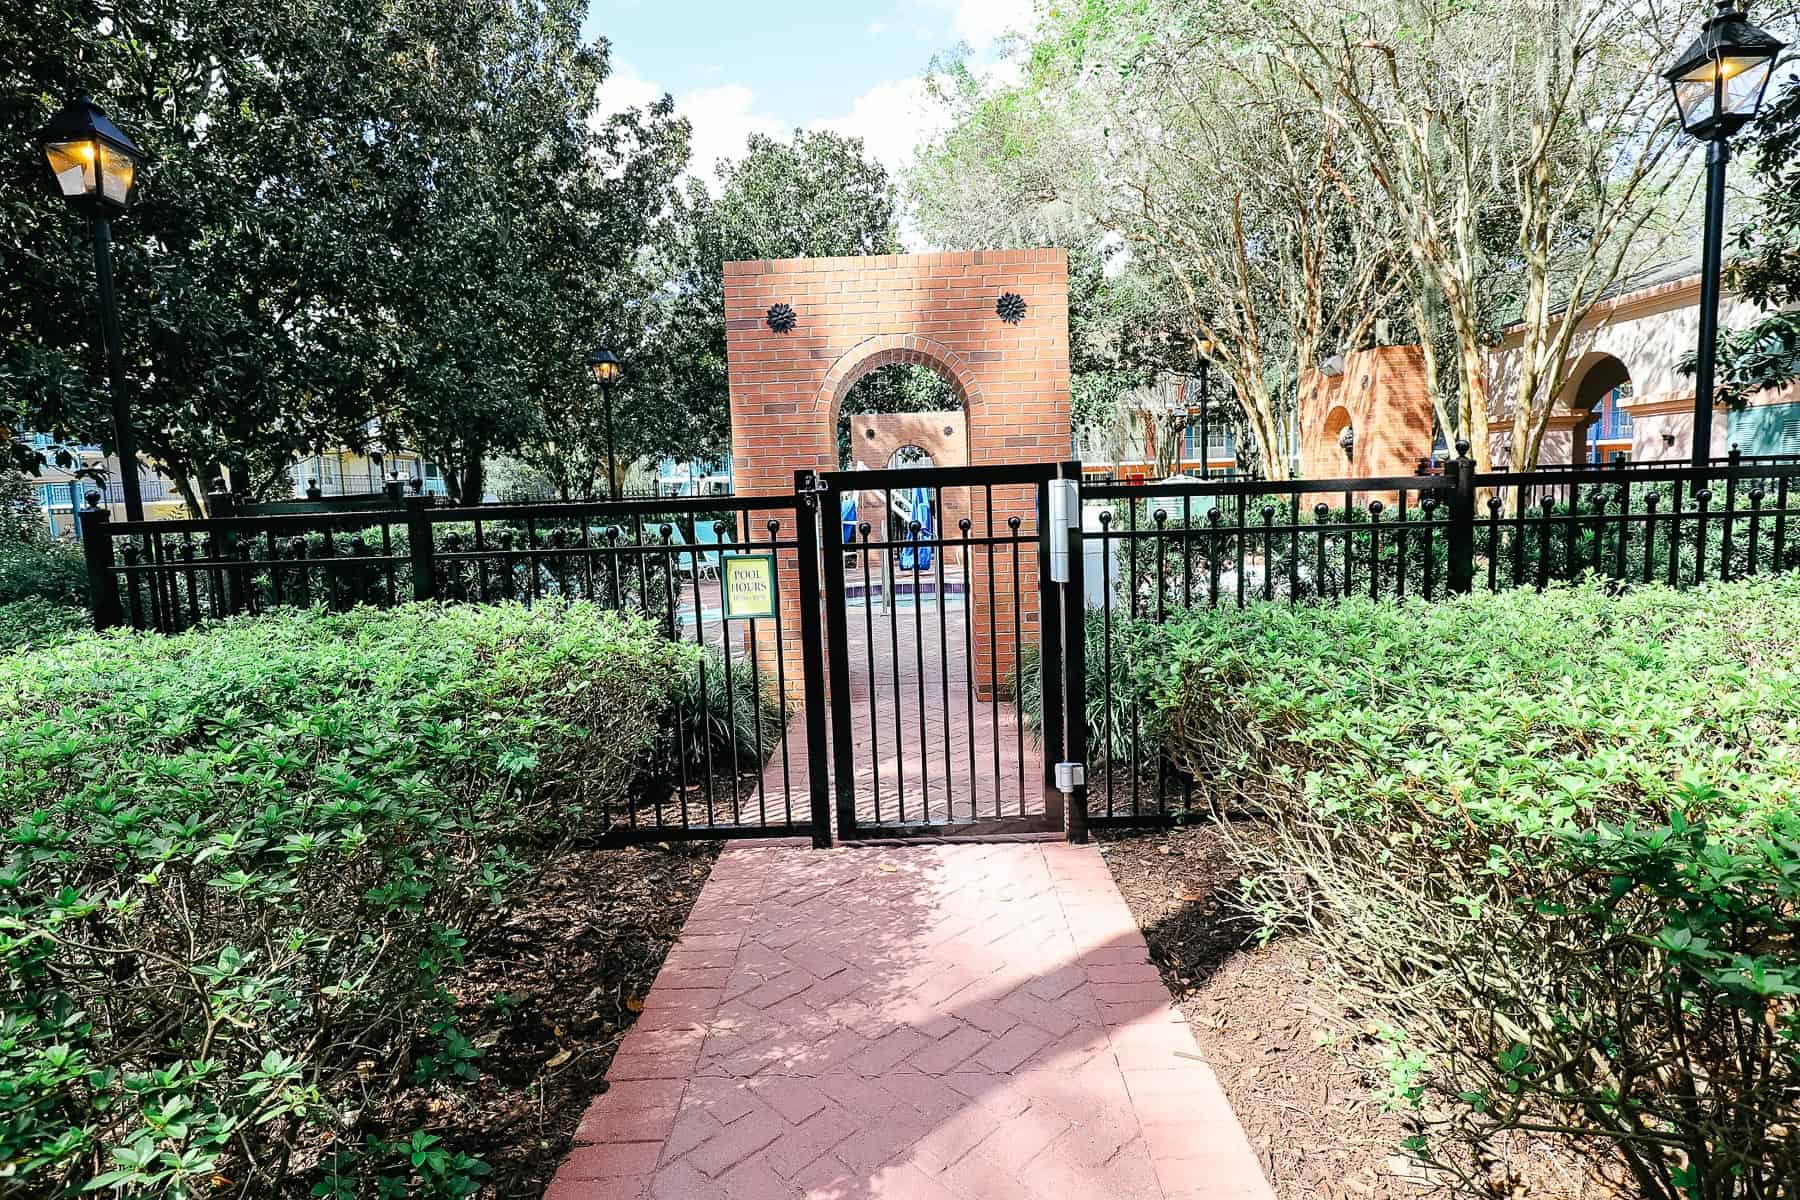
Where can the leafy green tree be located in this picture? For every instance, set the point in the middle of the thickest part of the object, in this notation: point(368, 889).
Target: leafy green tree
point(816, 195)
point(363, 224)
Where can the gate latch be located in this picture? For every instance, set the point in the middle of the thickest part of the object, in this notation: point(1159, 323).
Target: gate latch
point(1065, 515)
point(1070, 775)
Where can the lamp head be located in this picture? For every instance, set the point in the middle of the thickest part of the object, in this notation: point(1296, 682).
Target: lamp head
point(1719, 81)
point(605, 366)
point(93, 164)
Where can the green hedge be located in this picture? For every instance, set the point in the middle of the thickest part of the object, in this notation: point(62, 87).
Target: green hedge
point(242, 865)
point(35, 621)
point(31, 570)
point(1549, 843)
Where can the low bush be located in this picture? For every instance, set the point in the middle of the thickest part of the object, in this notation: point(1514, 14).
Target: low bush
point(1550, 846)
point(53, 571)
point(243, 864)
point(719, 721)
point(35, 621)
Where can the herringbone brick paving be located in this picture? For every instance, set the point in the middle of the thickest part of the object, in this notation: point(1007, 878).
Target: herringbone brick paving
point(950, 1022)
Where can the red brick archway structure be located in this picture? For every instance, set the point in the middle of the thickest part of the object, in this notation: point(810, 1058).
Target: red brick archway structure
point(855, 315)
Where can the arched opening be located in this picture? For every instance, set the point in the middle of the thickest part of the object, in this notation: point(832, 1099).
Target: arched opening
point(1340, 433)
point(901, 387)
point(1603, 432)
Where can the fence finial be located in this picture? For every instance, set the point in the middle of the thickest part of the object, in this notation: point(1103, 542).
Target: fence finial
point(1462, 447)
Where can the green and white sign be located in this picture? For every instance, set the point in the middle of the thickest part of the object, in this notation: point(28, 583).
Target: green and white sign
point(749, 581)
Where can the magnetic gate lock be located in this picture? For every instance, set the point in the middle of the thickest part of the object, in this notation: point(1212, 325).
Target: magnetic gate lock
point(1070, 775)
point(1065, 515)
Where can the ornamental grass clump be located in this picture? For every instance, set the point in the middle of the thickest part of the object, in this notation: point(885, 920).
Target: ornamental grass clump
point(1549, 844)
point(245, 864)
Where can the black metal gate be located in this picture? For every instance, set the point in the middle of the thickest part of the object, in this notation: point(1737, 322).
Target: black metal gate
point(943, 622)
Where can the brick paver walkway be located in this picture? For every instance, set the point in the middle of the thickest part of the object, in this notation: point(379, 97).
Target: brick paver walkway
point(954, 759)
point(949, 1022)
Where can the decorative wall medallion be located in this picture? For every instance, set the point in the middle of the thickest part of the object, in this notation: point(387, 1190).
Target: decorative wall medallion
point(781, 317)
point(1010, 307)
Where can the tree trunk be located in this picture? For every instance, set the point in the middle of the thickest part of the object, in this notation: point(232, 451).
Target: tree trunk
point(473, 482)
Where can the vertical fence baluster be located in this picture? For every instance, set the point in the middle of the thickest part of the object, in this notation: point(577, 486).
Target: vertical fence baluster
point(1651, 500)
point(1375, 508)
point(968, 566)
point(1546, 543)
point(1781, 504)
point(1106, 642)
point(1674, 524)
point(1624, 524)
point(1238, 538)
point(1212, 553)
point(1427, 506)
point(1294, 548)
point(1400, 550)
point(1320, 511)
point(939, 553)
point(187, 575)
point(1756, 499)
point(1701, 498)
point(1012, 524)
point(1726, 544)
point(1518, 546)
point(134, 598)
point(1495, 504)
point(1268, 540)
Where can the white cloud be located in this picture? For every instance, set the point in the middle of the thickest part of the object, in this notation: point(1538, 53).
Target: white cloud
point(892, 119)
point(980, 22)
point(877, 28)
point(723, 118)
point(625, 88)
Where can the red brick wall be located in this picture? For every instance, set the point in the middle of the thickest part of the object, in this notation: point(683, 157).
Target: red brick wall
point(857, 314)
point(1383, 392)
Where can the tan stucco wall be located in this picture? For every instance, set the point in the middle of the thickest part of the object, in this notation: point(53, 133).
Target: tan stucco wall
point(1649, 331)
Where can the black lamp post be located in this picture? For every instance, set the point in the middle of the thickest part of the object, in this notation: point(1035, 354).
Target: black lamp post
point(94, 167)
point(1719, 83)
point(1206, 349)
point(606, 369)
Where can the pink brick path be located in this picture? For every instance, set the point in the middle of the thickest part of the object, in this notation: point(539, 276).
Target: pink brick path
point(950, 1022)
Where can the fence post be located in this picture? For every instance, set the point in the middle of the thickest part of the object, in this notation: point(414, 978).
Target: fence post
point(1074, 632)
point(222, 505)
point(1462, 522)
point(420, 548)
point(812, 656)
point(97, 550)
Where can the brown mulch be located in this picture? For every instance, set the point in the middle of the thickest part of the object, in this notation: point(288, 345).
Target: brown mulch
point(1261, 1021)
point(1279, 1039)
point(547, 998)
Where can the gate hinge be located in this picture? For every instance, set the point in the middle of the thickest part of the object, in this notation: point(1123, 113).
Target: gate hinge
point(1070, 775)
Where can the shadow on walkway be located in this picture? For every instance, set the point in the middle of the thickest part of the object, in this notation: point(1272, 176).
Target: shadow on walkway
point(948, 1022)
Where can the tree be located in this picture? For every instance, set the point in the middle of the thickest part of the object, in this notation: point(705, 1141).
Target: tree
point(1227, 187)
point(1765, 356)
point(363, 224)
point(816, 195)
point(1519, 117)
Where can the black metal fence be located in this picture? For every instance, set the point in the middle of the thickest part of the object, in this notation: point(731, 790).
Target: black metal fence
point(724, 766)
point(1157, 550)
point(727, 766)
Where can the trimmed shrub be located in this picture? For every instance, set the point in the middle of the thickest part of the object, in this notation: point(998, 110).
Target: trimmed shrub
point(52, 571)
point(1549, 844)
point(38, 622)
point(243, 863)
point(727, 726)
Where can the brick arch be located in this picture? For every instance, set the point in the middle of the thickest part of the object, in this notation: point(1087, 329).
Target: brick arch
point(889, 349)
point(854, 315)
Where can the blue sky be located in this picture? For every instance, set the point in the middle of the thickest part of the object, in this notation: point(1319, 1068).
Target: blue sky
point(738, 67)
